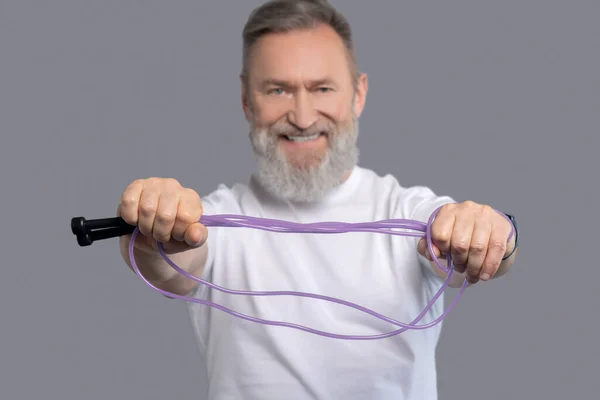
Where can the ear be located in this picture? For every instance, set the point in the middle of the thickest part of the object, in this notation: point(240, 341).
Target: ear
point(360, 97)
point(245, 102)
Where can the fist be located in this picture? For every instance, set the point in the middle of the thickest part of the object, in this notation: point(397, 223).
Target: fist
point(475, 236)
point(163, 211)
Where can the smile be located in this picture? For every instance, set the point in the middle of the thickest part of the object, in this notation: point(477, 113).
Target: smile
point(299, 139)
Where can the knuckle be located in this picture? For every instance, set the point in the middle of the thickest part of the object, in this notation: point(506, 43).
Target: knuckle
point(449, 206)
point(171, 182)
point(136, 182)
point(151, 181)
point(148, 208)
point(446, 208)
point(177, 234)
point(145, 229)
point(446, 211)
point(460, 246)
point(498, 245)
point(128, 200)
point(473, 271)
point(191, 193)
point(487, 210)
point(469, 204)
point(490, 266)
point(166, 216)
point(187, 216)
point(478, 247)
point(162, 237)
point(443, 236)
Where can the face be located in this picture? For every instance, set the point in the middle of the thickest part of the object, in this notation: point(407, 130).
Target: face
point(303, 105)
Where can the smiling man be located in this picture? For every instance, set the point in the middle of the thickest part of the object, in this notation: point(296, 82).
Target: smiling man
point(302, 95)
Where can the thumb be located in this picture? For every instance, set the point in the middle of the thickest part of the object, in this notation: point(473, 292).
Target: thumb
point(195, 235)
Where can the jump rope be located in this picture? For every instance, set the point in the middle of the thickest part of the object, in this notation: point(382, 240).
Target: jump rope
point(88, 231)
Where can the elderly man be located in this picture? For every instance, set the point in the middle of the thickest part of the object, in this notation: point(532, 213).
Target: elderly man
point(302, 95)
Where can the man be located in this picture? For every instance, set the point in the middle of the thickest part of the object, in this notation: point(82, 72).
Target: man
point(302, 95)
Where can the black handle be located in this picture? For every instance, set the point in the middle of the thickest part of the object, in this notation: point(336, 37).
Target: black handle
point(88, 231)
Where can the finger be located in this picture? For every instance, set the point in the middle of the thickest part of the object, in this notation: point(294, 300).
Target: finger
point(461, 241)
point(129, 202)
point(189, 212)
point(495, 251)
point(423, 250)
point(478, 248)
point(173, 247)
point(441, 231)
point(147, 210)
point(166, 214)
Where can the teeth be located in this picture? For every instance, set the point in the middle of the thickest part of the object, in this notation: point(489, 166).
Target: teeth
point(303, 138)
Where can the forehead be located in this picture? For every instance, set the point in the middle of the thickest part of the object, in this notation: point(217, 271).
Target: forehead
point(296, 56)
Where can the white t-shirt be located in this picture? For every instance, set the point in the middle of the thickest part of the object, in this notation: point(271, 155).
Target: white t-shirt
point(251, 361)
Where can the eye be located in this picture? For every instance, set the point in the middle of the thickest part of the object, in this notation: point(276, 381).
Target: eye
point(323, 89)
point(276, 91)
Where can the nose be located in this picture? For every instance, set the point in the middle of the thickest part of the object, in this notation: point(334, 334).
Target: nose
point(304, 114)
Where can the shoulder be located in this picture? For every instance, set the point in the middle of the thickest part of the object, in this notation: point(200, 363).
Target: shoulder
point(224, 199)
point(416, 201)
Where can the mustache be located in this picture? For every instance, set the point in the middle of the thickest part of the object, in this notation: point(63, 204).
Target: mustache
point(286, 129)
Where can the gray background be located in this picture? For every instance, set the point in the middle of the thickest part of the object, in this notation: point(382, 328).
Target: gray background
point(497, 102)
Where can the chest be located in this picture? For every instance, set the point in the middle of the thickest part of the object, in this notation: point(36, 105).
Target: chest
point(377, 271)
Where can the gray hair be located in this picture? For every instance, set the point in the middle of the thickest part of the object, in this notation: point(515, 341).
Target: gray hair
point(279, 16)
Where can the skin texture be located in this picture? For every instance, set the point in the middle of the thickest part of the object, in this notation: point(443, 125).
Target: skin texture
point(299, 84)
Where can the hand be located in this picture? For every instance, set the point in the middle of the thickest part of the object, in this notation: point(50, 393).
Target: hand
point(163, 210)
point(474, 235)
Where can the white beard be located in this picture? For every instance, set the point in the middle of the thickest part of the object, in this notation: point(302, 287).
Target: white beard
point(304, 183)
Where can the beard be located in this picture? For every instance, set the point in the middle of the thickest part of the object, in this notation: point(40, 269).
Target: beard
point(307, 176)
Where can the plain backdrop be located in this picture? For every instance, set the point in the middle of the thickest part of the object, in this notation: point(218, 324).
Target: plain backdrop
point(493, 101)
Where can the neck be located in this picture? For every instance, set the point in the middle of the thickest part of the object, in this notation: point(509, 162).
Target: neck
point(346, 176)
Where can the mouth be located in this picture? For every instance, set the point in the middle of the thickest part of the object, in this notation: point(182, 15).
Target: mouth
point(301, 139)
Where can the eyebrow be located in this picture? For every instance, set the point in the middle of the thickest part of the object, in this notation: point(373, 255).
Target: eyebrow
point(315, 82)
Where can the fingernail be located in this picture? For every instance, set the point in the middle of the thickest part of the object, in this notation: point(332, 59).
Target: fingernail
point(485, 276)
